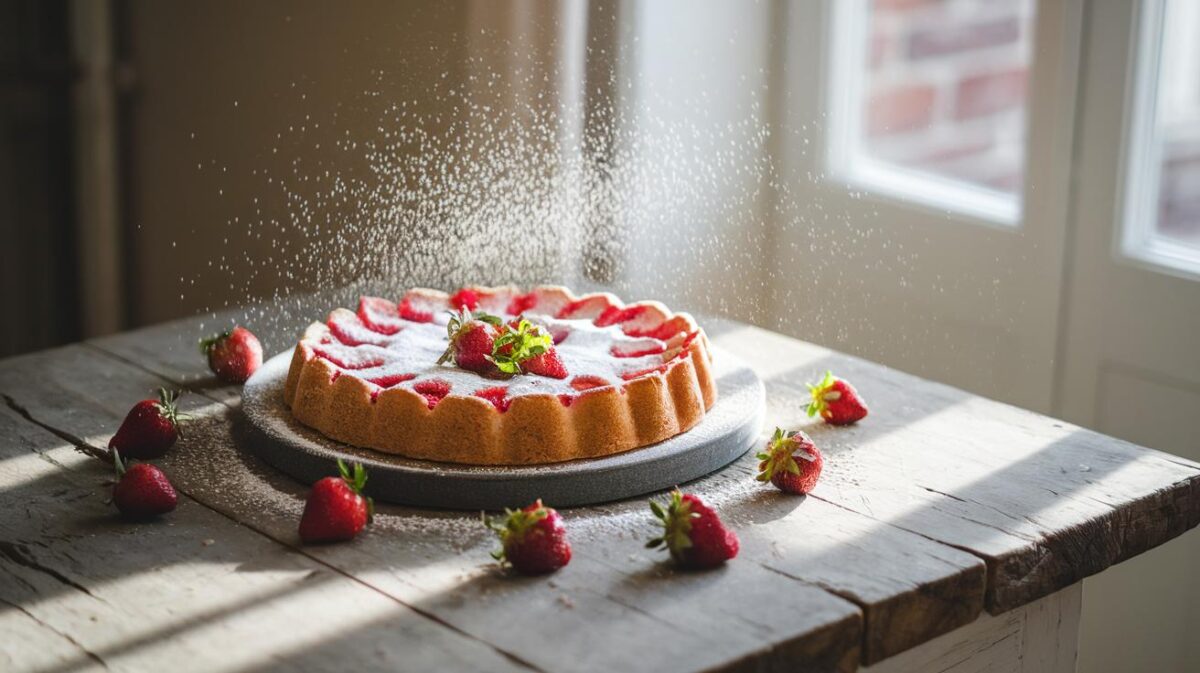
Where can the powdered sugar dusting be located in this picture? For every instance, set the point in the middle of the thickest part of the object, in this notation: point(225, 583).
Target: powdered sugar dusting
point(584, 351)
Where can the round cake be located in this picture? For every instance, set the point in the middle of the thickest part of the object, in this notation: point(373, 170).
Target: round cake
point(385, 376)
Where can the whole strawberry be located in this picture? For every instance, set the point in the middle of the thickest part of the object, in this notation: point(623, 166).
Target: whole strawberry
point(150, 428)
point(836, 400)
point(142, 491)
point(336, 509)
point(233, 355)
point(792, 462)
point(693, 533)
point(533, 540)
point(472, 337)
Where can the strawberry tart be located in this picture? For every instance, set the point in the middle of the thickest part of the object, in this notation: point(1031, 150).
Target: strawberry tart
point(496, 376)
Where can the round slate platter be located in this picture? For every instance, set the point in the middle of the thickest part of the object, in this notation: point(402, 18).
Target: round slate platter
point(728, 429)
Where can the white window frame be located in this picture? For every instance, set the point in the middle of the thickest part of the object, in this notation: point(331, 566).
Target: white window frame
point(847, 161)
point(1137, 239)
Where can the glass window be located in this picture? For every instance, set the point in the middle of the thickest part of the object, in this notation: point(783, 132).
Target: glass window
point(928, 100)
point(1162, 214)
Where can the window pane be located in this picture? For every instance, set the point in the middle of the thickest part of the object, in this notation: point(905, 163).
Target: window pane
point(1162, 170)
point(1179, 124)
point(946, 88)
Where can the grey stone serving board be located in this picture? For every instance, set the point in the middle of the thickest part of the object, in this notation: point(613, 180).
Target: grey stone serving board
point(732, 425)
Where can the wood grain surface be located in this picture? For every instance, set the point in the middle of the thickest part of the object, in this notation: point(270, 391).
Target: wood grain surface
point(936, 506)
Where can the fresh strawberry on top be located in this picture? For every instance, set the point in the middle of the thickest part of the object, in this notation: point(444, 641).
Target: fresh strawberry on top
point(142, 491)
point(693, 533)
point(150, 428)
point(524, 347)
point(472, 340)
point(836, 401)
point(791, 461)
point(533, 539)
point(546, 364)
point(233, 355)
point(336, 509)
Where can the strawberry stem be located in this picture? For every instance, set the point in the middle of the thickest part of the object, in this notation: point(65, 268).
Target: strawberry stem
point(676, 521)
point(515, 346)
point(355, 477)
point(516, 524)
point(818, 391)
point(169, 408)
point(211, 342)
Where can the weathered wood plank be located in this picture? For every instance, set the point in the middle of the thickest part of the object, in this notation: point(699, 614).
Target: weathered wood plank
point(29, 645)
point(951, 581)
point(1045, 503)
point(1056, 504)
point(195, 591)
point(939, 592)
point(782, 537)
point(438, 563)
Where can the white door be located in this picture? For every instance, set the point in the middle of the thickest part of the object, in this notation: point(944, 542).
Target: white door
point(1074, 291)
point(925, 151)
point(1131, 356)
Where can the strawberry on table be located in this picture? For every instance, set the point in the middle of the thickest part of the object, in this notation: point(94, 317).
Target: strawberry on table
point(836, 401)
point(336, 509)
point(233, 355)
point(791, 461)
point(693, 533)
point(533, 540)
point(150, 428)
point(523, 347)
point(142, 491)
point(472, 338)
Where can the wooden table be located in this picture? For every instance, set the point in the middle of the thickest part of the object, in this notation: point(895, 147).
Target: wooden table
point(948, 532)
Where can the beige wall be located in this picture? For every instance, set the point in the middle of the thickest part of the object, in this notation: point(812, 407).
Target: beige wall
point(216, 83)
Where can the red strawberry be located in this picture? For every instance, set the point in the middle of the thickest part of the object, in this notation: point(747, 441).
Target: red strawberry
point(464, 298)
point(780, 465)
point(433, 390)
point(546, 364)
point(533, 540)
point(150, 428)
point(472, 338)
point(693, 533)
point(836, 400)
point(524, 347)
point(521, 303)
point(142, 491)
point(336, 509)
point(233, 355)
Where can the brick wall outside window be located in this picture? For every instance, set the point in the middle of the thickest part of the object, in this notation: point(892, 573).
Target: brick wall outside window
point(947, 87)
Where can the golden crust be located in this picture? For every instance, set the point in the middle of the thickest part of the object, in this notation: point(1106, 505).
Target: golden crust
point(534, 429)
